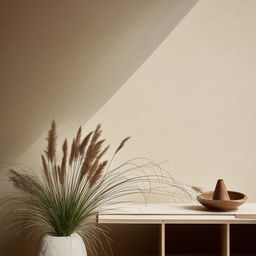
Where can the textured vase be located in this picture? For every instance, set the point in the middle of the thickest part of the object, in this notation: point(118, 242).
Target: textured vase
point(51, 245)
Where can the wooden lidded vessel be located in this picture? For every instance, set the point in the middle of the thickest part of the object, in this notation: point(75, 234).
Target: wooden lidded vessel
point(221, 199)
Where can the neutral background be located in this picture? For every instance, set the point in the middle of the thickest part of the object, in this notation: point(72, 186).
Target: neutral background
point(191, 103)
point(64, 60)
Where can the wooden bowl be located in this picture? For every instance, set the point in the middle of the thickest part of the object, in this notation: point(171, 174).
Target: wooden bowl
point(236, 199)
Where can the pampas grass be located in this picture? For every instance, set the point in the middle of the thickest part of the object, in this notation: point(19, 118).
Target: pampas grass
point(66, 195)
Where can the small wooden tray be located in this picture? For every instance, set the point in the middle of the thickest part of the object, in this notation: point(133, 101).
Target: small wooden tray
point(236, 199)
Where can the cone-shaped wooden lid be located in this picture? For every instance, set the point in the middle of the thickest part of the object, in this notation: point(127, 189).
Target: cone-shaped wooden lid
point(220, 192)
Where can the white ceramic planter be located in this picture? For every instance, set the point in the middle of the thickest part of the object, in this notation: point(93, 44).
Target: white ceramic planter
point(62, 246)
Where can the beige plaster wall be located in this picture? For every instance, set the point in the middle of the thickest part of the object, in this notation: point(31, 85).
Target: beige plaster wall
point(65, 59)
point(193, 102)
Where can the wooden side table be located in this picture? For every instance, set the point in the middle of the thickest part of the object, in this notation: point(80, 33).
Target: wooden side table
point(181, 229)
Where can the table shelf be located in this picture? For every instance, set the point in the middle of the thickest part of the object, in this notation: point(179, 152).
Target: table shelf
point(180, 230)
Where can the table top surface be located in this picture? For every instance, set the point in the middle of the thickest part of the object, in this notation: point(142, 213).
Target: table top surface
point(177, 213)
